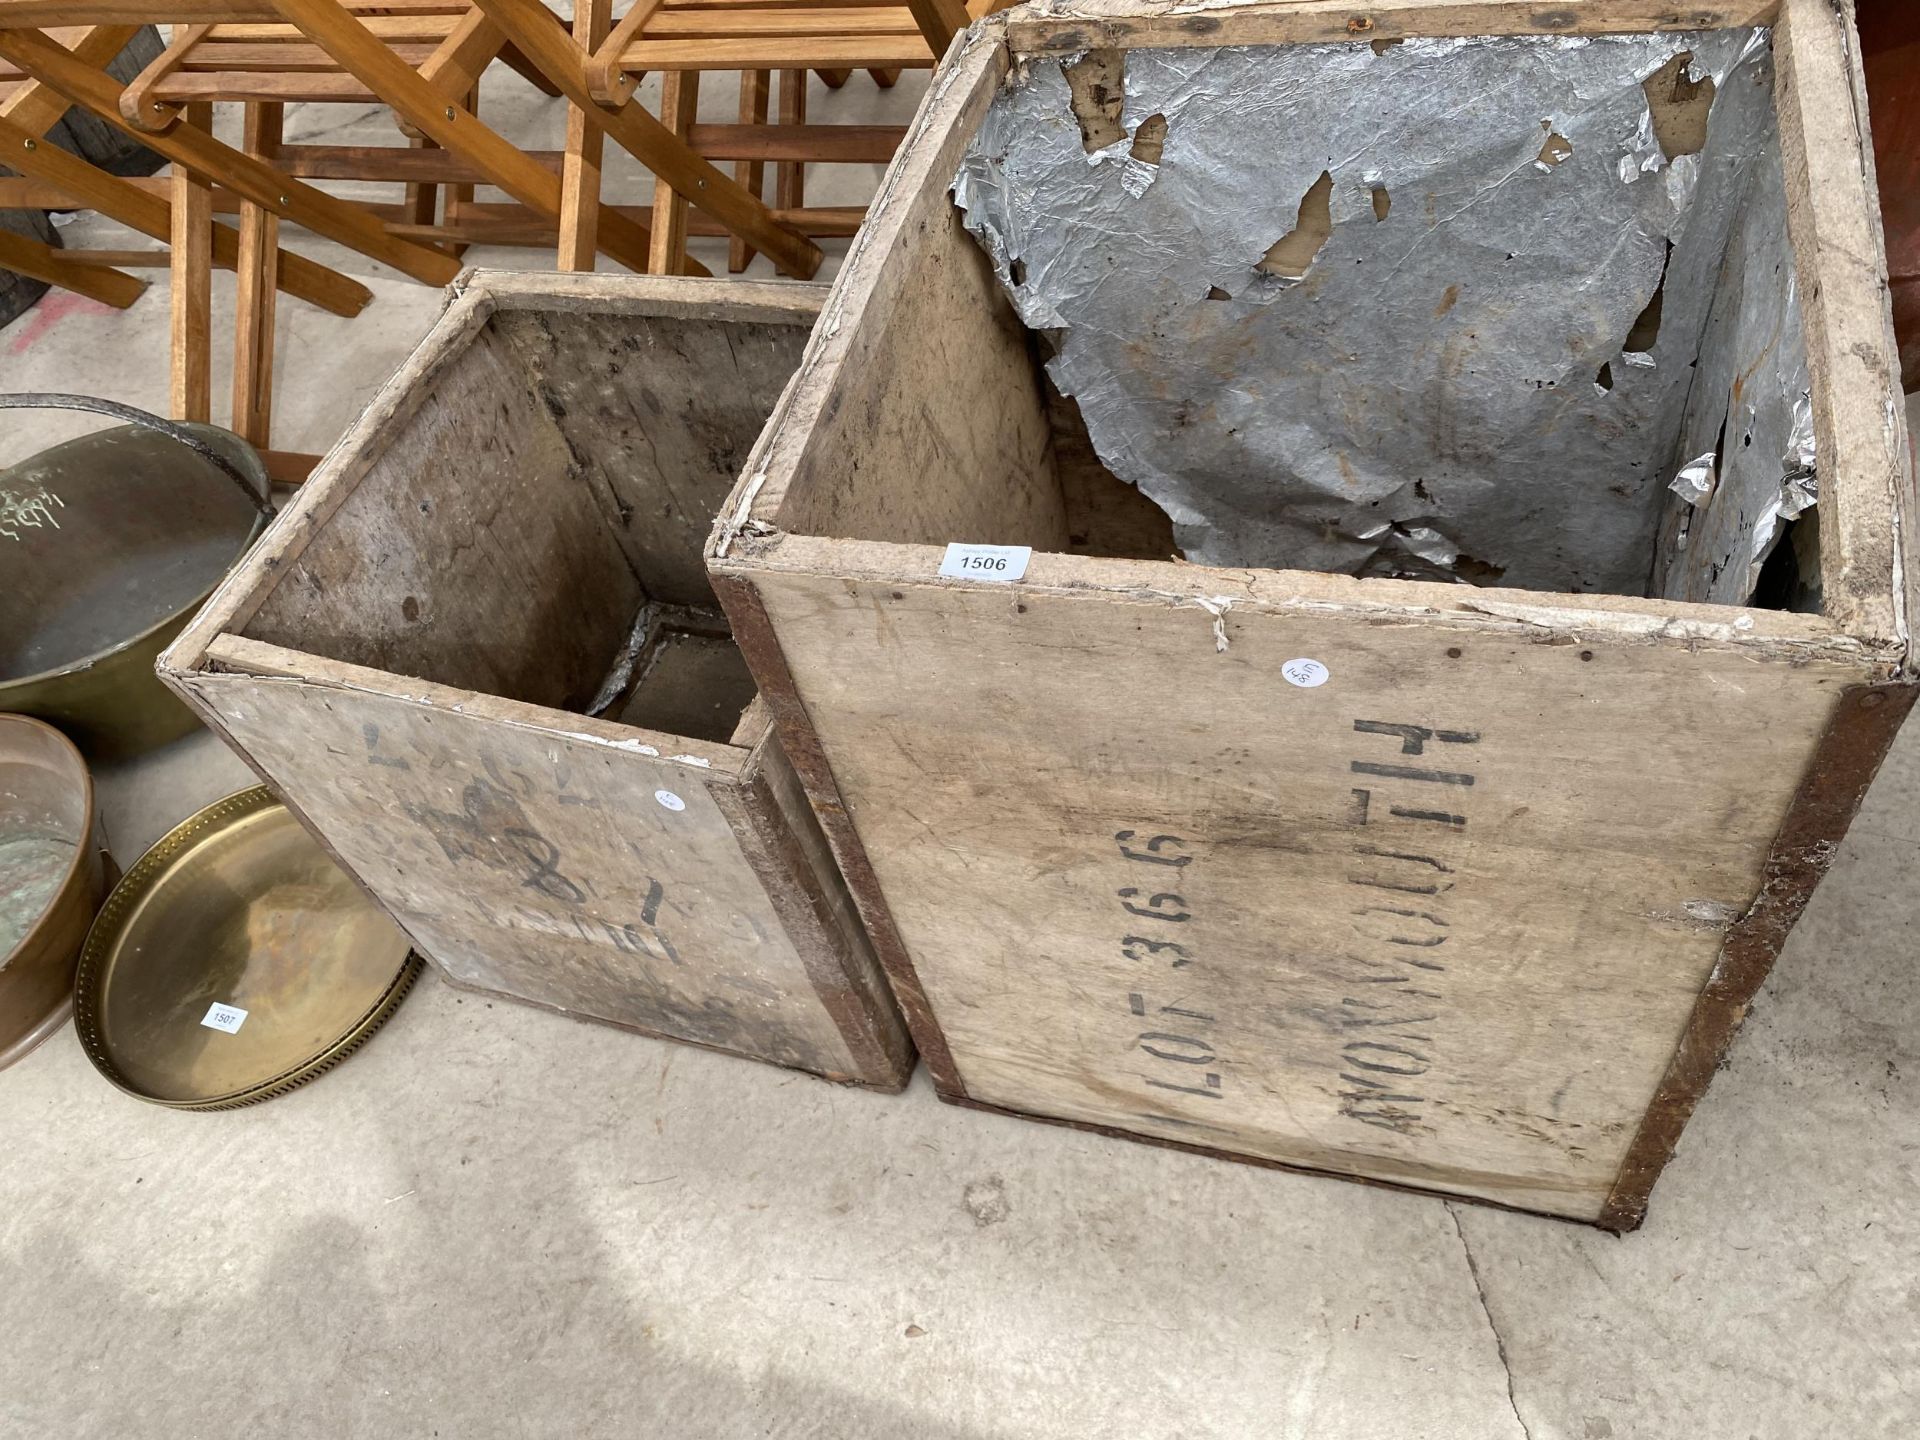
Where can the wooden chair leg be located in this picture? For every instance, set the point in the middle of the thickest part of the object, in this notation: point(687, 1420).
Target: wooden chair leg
point(580, 171)
point(459, 197)
point(756, 87)
point(834, 79)
point(191, 312)
point(679, 99)
point(422, 203)
point(885, 79)
point(790, 176)
point(254, 292)
point(26, 256)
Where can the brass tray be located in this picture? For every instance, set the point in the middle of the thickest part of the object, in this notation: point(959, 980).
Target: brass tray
point(234, 962)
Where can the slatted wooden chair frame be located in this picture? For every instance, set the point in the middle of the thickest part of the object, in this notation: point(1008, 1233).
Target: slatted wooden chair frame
point(341, 53)
point(33, 113)
point(549, 187)
point(683, 39)
point(425, 54)
point(49, 70)
point(264, 65)
point(557, 192)
point(261, 195)
point(273, 63)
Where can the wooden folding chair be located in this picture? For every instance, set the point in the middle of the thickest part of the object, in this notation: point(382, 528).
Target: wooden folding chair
point(182, 214)
point(29, 246)
point(272, 63)
point(433, 48)
point(45, 78)
point(666, 152)
point(683, 39)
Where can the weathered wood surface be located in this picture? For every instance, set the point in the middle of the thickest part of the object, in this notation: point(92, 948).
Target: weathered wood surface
point(1458, 918)
point(663, 482)
point(943, 387)
point(1070, 27)
point(405, 656)
point(469, 557)
point(533, 863)
point(1410, 923)
point(1833, 217)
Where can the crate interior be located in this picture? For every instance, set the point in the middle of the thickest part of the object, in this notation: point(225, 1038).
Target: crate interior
point(1513, 311)
point(533, 529)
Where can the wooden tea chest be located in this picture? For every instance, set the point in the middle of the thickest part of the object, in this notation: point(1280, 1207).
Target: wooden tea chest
point(1432, 853)
point(507, 540)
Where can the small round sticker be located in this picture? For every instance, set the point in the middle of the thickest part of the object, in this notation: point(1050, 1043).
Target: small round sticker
point(1307, 674)
point(673, 801)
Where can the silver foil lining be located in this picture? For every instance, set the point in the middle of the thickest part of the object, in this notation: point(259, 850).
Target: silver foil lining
point(1447, 390)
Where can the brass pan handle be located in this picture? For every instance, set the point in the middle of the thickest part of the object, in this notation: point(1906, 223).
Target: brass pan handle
point(127, 414)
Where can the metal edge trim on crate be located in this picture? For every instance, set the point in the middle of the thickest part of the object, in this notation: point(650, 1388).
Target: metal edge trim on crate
point(1844, 762)
point(794, 731)
point(134, 885)
point(1425, 1190)
point(754, 812)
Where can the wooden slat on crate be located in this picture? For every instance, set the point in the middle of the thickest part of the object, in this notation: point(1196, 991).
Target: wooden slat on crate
point(1120, 24)
point(1833, 216)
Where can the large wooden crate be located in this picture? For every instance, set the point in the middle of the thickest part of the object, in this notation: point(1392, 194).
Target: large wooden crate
point(409, 655)
point(1481, 910)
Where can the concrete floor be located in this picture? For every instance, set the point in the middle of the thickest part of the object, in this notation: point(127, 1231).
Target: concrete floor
point(498, 1222)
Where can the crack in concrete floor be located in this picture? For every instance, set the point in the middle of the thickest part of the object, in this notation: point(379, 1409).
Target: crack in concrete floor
point(1493, 1325)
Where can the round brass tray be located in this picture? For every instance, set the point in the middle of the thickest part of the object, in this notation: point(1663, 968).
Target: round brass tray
point(235, 910)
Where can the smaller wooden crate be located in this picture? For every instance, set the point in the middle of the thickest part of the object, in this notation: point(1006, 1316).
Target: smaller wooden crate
point(480, 659)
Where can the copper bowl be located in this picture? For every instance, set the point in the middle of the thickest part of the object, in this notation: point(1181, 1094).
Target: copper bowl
point(52, 879)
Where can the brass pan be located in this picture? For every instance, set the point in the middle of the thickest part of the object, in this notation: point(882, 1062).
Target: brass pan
point(52, 877)
point(108, 545)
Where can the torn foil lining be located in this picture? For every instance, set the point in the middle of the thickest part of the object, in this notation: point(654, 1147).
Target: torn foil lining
point(1751, 402)
point(1446, 390)
point(1694, 483)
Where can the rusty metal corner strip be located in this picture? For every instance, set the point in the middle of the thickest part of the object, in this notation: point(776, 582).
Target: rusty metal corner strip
point(771, 852)
point(1848, 756)
point(793, 729)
